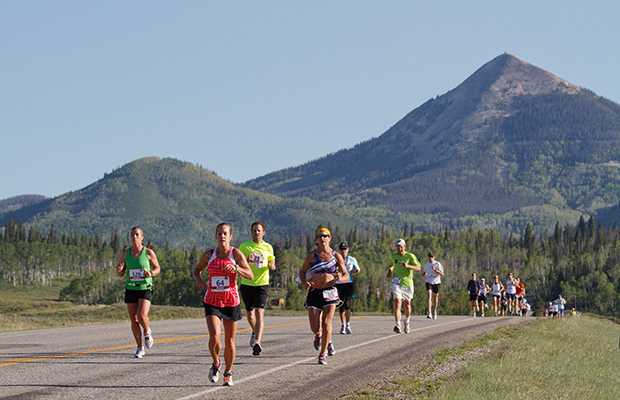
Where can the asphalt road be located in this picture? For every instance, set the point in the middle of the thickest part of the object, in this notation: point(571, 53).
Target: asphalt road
point(96, 362)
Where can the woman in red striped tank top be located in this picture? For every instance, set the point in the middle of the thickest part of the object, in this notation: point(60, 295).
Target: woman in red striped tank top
point(221, 300)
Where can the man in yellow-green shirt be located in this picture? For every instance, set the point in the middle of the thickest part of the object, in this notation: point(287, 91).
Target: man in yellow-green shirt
point(255, 292)
point(400, 271)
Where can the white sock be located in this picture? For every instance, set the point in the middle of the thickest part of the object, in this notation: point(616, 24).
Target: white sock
point(406, 320)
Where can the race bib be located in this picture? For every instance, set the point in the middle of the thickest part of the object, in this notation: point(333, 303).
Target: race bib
point(331, 295)
point(220, 283)
point(256, 260)
point(396, 281)
point(136, 275)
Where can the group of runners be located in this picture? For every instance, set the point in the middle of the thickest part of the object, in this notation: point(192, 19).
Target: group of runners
point(326, 274)
point(507, 300)
point(556, 308)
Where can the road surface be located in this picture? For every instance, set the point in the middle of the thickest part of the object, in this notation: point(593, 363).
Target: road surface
point(96, 362)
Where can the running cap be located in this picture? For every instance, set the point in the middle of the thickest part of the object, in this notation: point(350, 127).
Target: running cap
point(431, 254)
point(481, 279)
point(323, 230)
point(343, 245)
point(401, 242)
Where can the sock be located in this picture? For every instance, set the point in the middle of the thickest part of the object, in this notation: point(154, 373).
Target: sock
point(406, 320)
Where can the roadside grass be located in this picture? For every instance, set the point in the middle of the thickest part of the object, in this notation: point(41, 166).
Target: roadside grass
point(568, 358)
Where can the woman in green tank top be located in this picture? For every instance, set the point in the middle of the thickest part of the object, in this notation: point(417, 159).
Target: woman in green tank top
point(138, 265)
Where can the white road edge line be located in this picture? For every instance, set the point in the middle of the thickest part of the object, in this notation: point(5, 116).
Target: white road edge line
point(305, 360)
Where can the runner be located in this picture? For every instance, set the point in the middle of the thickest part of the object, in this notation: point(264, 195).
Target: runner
point(473, 290)
point(520, 293)
point(221, 301)
point(255, 292)
point(327, 267)
point(433, 271)
point(504, 304)
point(511, 293)
point(346, 289)
point(482, 295)
point(561, 304)
point(139, 265)
point(497, 290)
point(402, 265)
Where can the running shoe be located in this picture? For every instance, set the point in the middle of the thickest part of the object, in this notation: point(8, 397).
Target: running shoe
point(348, 330)
point(214, 373)
point(406, 327)
point(474, 314)
point(429, 315)
point(322, 359)
point(228, 379)
point(139, 352)
point(257, 349)
point(342, 330)
point(482, 315)
point(317, 342)
point(148, 339)
point(435, 315)
point(397, 329)
point(252, 340)
point(330, 349)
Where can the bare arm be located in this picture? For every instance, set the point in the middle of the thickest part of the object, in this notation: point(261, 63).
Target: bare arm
point(120, 268)
point(202, 264)
point(155, 268)
point(304, 269)
point(243, 267)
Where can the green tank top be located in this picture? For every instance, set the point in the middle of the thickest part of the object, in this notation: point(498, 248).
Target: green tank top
point(134, 271)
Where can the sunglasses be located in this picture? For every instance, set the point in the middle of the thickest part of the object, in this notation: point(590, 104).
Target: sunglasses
point(323, 236)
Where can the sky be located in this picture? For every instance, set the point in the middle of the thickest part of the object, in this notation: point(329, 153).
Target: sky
point(244, 88)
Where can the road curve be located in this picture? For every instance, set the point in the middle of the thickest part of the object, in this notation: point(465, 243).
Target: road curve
point(96, 362)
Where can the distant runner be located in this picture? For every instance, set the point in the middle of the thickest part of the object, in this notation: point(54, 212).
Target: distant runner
point(482, 295)
point(221, 301)
point(139, 265)
point(433, 271)
point(497, 290)
point(346, 289)
point(255, 292)
point(401, 267)
point(511, 293)
point(473, 290)
point(561, 303)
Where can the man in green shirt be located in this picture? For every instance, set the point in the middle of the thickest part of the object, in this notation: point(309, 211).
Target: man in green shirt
point(255, 292)
point(400, 271)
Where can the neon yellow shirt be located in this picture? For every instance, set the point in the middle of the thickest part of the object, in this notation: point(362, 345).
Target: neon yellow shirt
point(401, 275)
point(258, 256)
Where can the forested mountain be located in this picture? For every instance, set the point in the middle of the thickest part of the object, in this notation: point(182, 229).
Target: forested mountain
point(179, 204)
point(511, 145)
point(17, 202)
point(512, 140)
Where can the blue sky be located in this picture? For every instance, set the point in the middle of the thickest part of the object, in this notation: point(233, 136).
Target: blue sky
point(244, 88)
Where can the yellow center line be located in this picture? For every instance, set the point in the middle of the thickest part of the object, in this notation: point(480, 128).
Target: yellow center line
point(166, 340)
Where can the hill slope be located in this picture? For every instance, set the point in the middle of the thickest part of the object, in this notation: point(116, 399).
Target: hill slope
point(179, 204)
point(510, 138)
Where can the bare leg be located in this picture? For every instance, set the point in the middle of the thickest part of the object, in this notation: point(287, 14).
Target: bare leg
point(326, 325)
point(214, 324)
point(230, 329)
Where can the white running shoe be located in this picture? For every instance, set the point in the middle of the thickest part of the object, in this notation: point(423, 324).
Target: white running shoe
point(397, 329)
point(429, 315)
point(406, 327)
point(482, 315)
point(348, 330)
point(139, 352)
point(322, 359)
point(474, 314)
point(342, 330)
point(214, 373)
point(330, 349)
point(252, 340)
point(228, 379)
point(435, 315)
point(148, 339)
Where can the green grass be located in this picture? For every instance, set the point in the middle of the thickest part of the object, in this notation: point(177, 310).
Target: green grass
point(569, 358)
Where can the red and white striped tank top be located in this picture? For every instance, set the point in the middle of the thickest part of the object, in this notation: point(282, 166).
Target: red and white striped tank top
point(222, 285)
